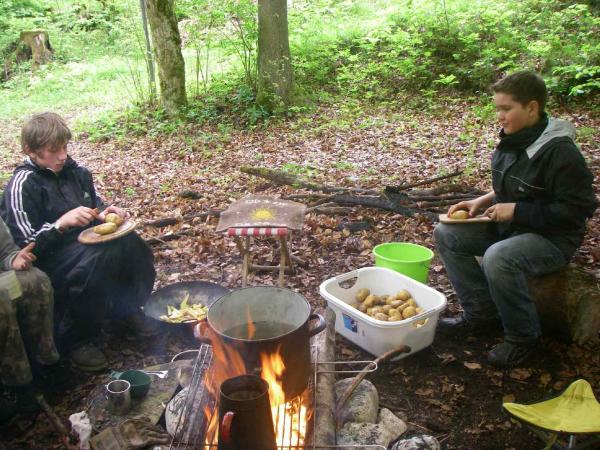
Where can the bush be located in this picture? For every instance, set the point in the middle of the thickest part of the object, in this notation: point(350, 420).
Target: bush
point(466, 47)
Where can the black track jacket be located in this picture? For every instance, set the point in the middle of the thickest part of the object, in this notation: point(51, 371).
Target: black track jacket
point(35, 198)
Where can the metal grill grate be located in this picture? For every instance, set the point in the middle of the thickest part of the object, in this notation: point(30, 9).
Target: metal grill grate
point(192, 424)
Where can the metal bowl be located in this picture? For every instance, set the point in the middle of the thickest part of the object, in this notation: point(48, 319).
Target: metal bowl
point(203, 292)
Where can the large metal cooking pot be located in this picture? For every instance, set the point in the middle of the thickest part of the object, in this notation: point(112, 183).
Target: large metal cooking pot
point(281, 320)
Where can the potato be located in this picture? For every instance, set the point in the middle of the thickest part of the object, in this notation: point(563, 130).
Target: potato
point(105, 228)
point(381, 316)
point(409, 312)
point(113, 218)
point(411, 302)
point(369, 311)
point(396, 317)
point(460, 214)
point(403, 306)
point(376, 310)
point(419, 310)
point(370, 300)
point(362, 294)
point(386, 308)
point(396, 303)
point(362, 308)
point(403, 295)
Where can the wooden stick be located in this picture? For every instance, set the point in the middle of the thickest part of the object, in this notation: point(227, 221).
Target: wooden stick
point(403, 187)
point(54, 419)
point(361, 375)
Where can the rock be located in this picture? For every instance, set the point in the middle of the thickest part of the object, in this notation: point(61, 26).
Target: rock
point(363, 404)
point(392, 423)
point(422, 442)
point(353, 433)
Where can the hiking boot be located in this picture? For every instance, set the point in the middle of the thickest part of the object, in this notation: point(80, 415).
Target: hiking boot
point(89, 358)
point(143, 325)
point(459, 325)
point(510, 354)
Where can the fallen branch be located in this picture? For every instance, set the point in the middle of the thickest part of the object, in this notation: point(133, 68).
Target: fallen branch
point(404, 187)
point(56, 422)
point(168, 237)
point(167, 221)
point(281, 178)
point(361, 375)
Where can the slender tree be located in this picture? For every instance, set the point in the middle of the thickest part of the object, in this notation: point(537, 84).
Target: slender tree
point(275, 77)
point(167, 46)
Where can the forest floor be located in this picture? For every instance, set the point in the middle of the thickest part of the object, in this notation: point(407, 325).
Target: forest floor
point(446, 390)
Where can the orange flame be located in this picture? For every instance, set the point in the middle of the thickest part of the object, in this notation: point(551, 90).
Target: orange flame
point(289, 419)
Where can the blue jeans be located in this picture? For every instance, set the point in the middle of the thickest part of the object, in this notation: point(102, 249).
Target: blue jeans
point(499, 283)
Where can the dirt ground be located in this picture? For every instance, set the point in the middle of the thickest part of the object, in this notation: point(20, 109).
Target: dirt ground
point(446, 390)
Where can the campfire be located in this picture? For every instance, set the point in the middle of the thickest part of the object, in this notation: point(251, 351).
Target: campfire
point(290, 418)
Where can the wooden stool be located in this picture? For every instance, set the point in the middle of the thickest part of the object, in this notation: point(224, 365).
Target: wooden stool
point(283, 234)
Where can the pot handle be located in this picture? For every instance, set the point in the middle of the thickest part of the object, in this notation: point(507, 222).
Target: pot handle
point(200, 331)
point(320, 325)
point(225, 428)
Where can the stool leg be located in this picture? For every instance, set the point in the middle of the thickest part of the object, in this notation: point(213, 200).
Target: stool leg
point(282, 259)
point(244, 251)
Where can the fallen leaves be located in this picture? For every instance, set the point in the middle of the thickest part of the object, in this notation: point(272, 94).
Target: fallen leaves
point(472, 365)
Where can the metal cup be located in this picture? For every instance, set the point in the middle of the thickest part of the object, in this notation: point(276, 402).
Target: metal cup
point(118, 396)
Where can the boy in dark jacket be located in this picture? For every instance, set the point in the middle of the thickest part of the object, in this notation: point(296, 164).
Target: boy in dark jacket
point(542, 195)
point(26, 325)
point(49, 200)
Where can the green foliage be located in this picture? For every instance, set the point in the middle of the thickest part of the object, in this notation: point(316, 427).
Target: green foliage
point(461, 44)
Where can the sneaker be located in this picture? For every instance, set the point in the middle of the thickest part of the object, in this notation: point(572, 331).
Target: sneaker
point(510, 354)
point(88, 358)
point(143, 325)
point(460, 325)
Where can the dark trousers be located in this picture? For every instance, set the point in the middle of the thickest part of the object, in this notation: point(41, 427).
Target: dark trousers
point(95, 282)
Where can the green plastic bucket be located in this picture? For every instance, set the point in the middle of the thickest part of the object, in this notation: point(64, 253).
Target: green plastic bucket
point(408, 259)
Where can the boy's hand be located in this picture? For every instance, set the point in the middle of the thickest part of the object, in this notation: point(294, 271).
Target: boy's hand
point(78, 217)
point(113, 209)
point(471, 206)
point(501, 212)
point(24, 259)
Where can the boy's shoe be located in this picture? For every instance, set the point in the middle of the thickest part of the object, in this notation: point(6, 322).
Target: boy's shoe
point(143, 325)
point(510, 354)
point(89, 358)
point(459, 325)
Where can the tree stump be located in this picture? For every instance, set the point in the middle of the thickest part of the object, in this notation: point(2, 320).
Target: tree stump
point(35, 45)
point(568, 303)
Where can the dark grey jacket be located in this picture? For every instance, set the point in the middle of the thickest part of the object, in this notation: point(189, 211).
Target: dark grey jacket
point(551, 185)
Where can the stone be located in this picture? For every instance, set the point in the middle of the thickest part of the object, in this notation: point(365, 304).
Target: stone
point(421, 442)
point(392, 423)
point(353, 433)
point(363, 404)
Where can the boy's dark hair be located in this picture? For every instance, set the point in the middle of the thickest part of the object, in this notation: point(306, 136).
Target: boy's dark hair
point(524, 86)
point(44, 129)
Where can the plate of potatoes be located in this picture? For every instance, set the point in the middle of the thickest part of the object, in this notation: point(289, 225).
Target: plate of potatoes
point(113, 228)
point(392, 307)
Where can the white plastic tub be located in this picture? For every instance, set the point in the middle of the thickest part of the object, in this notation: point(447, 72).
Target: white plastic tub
point(376, 336)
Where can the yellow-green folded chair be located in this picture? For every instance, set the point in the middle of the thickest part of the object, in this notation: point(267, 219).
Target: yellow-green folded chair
point(574, 412)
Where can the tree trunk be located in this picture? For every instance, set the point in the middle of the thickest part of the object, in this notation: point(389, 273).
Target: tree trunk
point(167, 46)
point(37, 46)
point(568, 303)
point(275, 79)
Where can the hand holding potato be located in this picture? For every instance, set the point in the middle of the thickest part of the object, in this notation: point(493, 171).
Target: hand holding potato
point(78, 217)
